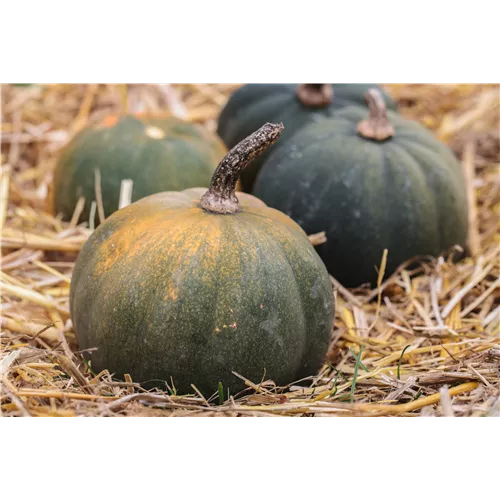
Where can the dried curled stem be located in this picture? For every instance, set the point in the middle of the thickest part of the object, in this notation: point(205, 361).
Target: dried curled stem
point(220, 197)
point(377, 126)
point(315, 95)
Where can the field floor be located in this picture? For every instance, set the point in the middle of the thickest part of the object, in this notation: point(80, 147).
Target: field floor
point(425, 343)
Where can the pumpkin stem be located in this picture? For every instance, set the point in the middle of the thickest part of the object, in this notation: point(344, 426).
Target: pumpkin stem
point(315, 95)
point(378, 126)
point(220, 197)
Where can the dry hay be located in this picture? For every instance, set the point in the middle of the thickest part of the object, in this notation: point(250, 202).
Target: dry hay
point(424, 343)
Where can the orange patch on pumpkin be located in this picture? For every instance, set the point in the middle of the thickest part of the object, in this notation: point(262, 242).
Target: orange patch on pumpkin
point(109, 121)
point(136, 238)
point(178, 232)
point(171, 295)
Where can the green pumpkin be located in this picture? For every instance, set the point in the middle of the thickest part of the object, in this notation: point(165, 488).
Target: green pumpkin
point(385, 182)
point(157, 154)
point(294, 105)
point(188, 288)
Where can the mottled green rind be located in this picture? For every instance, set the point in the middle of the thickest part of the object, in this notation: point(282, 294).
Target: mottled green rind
point(406, 194)
point(186, 157)
point(164, 289)
point(255, 104)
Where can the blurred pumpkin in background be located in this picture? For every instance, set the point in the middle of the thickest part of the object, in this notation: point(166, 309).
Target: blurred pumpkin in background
point(370, 184)
point(293, 104)
point(156, 153)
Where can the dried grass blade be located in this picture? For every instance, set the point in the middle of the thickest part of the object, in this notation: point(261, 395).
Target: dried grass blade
point(4, 194)
point(465, 290)
point(125, 193)
point(98, 195)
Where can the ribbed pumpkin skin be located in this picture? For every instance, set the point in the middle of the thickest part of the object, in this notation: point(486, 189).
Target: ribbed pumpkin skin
point(255, 104)
point(165, 289)
point(406, 194)
point(157, 154)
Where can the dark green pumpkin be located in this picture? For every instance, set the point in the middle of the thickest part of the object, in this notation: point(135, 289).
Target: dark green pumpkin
point(369, 188)
point(178, 287)
point(157, 154)
point(294, 105)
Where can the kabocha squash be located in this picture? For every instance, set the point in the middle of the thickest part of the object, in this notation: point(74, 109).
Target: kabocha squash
point(174, 288)
point(370, 184)
point(294, 105)
point(157, 154)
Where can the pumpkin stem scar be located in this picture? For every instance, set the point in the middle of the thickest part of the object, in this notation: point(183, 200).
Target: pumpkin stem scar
point(377, 126)
point(315, 95)
point(154, 132)
point(220, 197)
